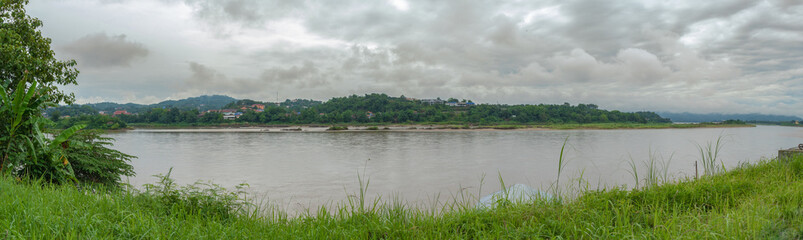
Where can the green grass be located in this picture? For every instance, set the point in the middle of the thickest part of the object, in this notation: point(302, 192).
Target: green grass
point(754, 201)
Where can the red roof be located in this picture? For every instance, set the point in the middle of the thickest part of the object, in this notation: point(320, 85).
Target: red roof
point(124, 112)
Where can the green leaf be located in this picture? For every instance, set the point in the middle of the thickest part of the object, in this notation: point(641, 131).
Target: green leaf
point(4, 96)
point(64, 135)
point(31, 146)
point(38, 135)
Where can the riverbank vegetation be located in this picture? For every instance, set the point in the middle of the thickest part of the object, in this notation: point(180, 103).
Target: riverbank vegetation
point(384, 109)
point(754, 201)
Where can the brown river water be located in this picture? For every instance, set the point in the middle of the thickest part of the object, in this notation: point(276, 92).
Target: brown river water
point(297, 170)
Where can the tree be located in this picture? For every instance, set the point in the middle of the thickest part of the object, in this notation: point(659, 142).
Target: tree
point(25, 52)
point(54, 116)
point(94, 162)
point(29, 76)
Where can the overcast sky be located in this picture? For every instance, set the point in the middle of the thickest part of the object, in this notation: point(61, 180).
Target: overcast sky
point(739, 56)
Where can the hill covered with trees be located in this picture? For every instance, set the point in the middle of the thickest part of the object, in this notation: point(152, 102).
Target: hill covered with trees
point(381, 108)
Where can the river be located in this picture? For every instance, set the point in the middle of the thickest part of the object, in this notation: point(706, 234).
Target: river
point(296, 170)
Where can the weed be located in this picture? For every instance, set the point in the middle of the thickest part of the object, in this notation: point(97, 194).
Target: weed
point(709, 155)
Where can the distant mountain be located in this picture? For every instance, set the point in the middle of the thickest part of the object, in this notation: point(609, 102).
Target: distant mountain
point(718, 117)
point(201, 103)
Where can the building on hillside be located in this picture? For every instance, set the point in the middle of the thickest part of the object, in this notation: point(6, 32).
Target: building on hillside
point(432, 101)
point(229, 116)
point(460, 104)
point(121, 112)
point(221, 111)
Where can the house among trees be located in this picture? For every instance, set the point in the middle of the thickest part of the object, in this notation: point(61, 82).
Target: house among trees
point(121, 112)
point(460, 104)
point(432, 101)
point(228, 114)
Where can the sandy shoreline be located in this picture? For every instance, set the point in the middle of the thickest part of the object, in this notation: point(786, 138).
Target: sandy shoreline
point(403, 128)
point(406, 128)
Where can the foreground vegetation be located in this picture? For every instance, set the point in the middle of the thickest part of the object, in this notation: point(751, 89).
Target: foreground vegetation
point(758, 201)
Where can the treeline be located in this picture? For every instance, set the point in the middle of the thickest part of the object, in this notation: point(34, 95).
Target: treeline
point(97, 121)
point(719, 117)
point(381, 108)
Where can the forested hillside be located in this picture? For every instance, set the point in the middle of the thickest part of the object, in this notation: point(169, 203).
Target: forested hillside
point(381, 108)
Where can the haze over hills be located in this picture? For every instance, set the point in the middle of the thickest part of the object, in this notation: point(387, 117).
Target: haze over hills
point(201, 103)
point(718, 117)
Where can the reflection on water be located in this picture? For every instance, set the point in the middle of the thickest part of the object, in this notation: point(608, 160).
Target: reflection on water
point(313, 168)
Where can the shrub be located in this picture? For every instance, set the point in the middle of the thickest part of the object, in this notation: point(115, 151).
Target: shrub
point(26, 150)
point(93, 162)
point(204, 199)
point(92, 122)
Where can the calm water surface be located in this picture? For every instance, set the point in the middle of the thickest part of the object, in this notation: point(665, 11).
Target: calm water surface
point(303, 169)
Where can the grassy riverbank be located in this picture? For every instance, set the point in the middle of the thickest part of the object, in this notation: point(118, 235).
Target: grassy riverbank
point(757, 201)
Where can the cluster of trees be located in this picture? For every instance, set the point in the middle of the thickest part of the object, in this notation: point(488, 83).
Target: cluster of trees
point(173, 115)
point(96, 121)
point(29, 76)
point(381, 108)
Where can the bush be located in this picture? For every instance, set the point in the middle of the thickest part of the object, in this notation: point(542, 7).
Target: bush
point(93, 162)
point(204, 199)
point(337, 128)
point(92, 122)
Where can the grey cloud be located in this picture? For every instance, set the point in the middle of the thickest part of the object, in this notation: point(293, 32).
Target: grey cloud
point(102, 51)
point(516, 51)
point(247, 12)
point(206, 79)
point(203, 75)
point(305, 75)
